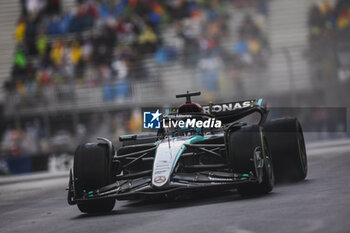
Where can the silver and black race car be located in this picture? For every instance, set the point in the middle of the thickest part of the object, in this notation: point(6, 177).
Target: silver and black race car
point(238, 149)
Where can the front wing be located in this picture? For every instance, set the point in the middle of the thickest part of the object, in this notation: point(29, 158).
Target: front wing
point(143, 188)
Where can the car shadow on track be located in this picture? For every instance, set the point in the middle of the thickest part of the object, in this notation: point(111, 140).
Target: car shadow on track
point(194, 199)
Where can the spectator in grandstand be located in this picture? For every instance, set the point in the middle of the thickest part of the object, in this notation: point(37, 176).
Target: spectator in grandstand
point(20, 31)
point(147, 40)
point(120, 69)
point(252, 42)
point(315, 19)
point(34, 7)
point(30, 36)
point(342, 11)
point(76, 52)
point(208, 71)
point(56, 53)
point(30, 138)
point(189, 30)
point(165, 54)
point(241, 49)
point(135, 121)
point(325, 8)
point(41, 44)
point(20, 59)
point(11, 142)
point(53, 7)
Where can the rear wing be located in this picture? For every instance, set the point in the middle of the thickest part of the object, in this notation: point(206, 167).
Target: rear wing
point(233, 111)
point(233, 106)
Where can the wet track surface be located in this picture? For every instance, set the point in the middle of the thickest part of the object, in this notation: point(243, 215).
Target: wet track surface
point(319, 204)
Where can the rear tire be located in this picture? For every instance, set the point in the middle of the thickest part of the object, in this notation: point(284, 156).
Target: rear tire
point(288, 149)
point(92, 170)
point(244, 143)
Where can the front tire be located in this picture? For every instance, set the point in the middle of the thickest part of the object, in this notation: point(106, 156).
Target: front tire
point(247, 146)
point(267, 180)
point(92, 170)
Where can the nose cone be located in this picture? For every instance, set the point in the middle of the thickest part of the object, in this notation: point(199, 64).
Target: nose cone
point(165, 160)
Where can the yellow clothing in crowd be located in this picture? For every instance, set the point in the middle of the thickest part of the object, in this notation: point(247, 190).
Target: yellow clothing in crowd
point(56, 53)
point(76, 53)
point(20, 32)
point(254, 46)
point(325, 7)
point(147, 36)
point(343, 21)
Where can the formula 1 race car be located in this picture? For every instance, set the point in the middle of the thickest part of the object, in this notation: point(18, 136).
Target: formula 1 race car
point(226, 146)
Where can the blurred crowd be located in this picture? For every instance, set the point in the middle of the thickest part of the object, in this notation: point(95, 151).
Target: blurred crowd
point(252, 46)
point(27, 141)
point(329, 33)
point(327, 18)
point(34, 138)
point(103, 43)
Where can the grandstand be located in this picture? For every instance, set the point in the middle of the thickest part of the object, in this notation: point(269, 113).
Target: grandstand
point(166, 79)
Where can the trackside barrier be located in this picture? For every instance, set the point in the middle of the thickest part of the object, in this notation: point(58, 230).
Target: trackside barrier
point(23, 164)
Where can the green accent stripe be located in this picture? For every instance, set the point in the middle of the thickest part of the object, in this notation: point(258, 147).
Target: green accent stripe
point(262, 145)
point(127, 135)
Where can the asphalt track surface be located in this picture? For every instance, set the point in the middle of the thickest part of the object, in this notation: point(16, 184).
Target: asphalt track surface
point(319, 204)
